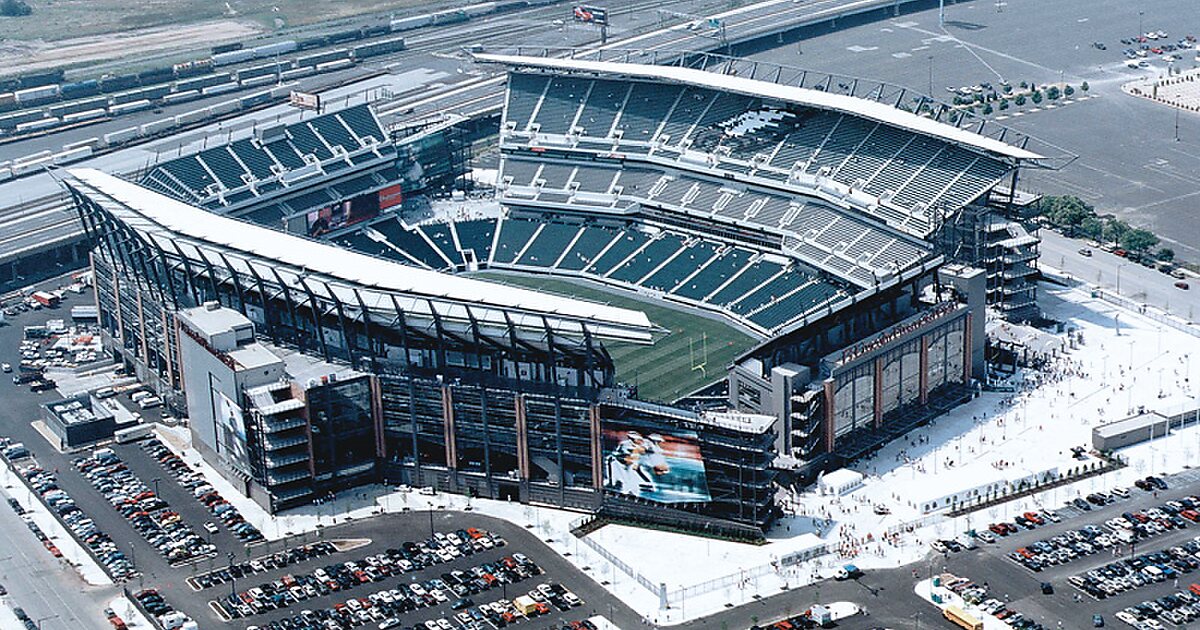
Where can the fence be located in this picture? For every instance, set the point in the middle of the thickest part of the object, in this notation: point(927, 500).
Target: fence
point(1150, 312)
point(737, 578)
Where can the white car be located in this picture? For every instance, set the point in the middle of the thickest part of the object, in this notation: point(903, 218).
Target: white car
point(6, 367)
point(210, 528)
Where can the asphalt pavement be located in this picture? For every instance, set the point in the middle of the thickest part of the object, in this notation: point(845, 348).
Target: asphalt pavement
point(1132, 280)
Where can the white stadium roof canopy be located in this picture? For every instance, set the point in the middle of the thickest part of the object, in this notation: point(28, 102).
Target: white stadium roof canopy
point(160, 216)
point(864, 108)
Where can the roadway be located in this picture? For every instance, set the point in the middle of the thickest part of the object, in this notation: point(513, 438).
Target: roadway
point(45, 587)
point(1136, 282)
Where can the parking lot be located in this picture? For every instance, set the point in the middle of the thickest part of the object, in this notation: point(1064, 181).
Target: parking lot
point(180, 507)
point(1064, 564)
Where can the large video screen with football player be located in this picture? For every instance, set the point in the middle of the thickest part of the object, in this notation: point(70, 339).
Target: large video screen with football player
point(653, 464)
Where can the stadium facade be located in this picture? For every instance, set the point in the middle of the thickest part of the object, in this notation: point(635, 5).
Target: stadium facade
point(811, 220)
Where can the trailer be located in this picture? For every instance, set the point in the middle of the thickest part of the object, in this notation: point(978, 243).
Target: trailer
point(133, 433)
point(45, 298)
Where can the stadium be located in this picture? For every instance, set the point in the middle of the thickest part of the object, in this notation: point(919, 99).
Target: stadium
point(700, 280)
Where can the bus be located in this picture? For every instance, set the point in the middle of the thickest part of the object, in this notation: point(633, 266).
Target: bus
point(961, 618)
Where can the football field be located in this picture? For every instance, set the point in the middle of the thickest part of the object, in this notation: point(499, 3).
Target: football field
point(692, 350)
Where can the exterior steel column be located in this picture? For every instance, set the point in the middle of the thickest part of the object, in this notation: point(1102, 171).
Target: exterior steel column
point(924, 369)
point(597, 454)
point(522, 438)
point(829, 415)
point(966, 349)
point(877, 389)
point(141, 314)
point(448, 427)
point(377, 418)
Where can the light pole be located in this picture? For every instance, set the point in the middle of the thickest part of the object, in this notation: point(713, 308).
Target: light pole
point(930, 91)
point(39, 621)
point(232, 577)
point(155, 482)
point(430, 503)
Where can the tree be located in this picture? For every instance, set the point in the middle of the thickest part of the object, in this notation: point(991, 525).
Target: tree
point(1085, 86)
point(1138, 240)
point(1092, 228)
point(14, 8)
point(1053, 93)
point(1069, 90)
point(1024, 85)
point(1020, 100)
point(1004, 104)
point(1165, 254)
point(1037, 97)
point(987, 109)
point(1113, 231)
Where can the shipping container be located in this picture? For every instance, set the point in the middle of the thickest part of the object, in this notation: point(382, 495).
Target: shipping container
point(409, 23)
point(158, 126)
point(98, 102)
point(330, 66)
point(118, 137)
point(40, 156)
point(119, 82)
point(375, 49)
point(90, 114)
point(36, 125)
point(261, 71)
point(224, 48)
point(219, 89)
point(450, 16)
point(224, 107)
point(236, 56)
point(128, 108)
point(277, 48)
point(322, 57)
point(80, 89)
point(253, 81)
point(377, 30)
point(476, 10)
point(314, 42)
point(202, 82)
point(39, 79)
point(10, 121)
point(73, 155)
point(258, 98)
point(36, 94)
point(344, 36)
point(298, 73)
point(180, 97)
point(156, 75)
point(186, 118)
point(192, 68)
point(90, 143)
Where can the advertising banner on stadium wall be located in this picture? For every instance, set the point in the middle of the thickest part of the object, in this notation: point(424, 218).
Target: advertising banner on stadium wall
point(652, 464)
point(390, 197)
point(232, 428)
point(342, 214)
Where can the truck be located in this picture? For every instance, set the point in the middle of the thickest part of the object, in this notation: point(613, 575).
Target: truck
point(847, 572)
point(48, 300)
point(525, 605)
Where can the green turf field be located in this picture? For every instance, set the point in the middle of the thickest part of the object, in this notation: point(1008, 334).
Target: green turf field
point(664, 371)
